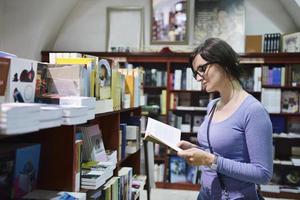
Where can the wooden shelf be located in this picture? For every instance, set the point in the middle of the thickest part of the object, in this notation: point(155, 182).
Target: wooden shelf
point(286, 114)
point(178, 186)
point(159, 158)
point(155, 88)
point(282, 87)
point(199, 91)
point(183, 110)
point(188, 133)
point(287, 195)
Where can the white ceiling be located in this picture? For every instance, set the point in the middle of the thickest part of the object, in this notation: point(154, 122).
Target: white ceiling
point(293, 9)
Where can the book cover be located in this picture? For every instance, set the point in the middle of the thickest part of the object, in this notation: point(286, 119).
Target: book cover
point(116, 89)
point(41, 80)
point(26, 170)
point(66, 80)
point(103, 79)
point(178, 168)
point(290, 102)
point(4, 69)
point(129, 86)
point(22, 80)
point(96, 141)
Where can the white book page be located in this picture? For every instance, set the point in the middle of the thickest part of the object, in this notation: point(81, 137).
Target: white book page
point(163, 132)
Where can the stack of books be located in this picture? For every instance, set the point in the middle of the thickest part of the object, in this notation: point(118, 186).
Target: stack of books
point(73, 115)
point(89, 102)
point(95, 174)
point(17, 118)
point(50, 116)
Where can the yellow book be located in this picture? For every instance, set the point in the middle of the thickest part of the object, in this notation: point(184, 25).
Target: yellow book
point(73, 60)
point(129, 86)
point(116, 89)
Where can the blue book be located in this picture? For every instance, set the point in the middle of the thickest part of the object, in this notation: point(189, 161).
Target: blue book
point(278, 123)
point(132, 120)
point(123, 141)
point(178, 168)
point(26, 170)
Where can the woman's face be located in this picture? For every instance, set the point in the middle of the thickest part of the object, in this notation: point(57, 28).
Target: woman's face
point(212, 78)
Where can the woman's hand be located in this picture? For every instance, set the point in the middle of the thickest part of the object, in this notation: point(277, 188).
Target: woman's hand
point(184, 145)
point(195, 156)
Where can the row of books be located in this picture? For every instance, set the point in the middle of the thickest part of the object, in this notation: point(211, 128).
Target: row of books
point(285, 125)
point(252, 81)
point(272, 43)
point(95, 174)
point(186, 122)
point(30, 81)
point(184, 80)
point(277, 101)
point(280, 188)
point(129, 136)
point(155, 78)
point(156, 103)
point(17, 118)
point(185, 100)
point(273, 75)
point(19, 169)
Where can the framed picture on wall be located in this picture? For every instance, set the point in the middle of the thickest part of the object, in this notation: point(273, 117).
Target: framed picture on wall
point(169, 21)
point(291, 42)
point(125, 30)
point(224, 19)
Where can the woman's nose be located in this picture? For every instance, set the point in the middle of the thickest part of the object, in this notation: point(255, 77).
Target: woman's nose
point(199, 78)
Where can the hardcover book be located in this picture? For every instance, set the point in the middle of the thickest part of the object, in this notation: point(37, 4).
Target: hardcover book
point(26, 170)
point(290, 102)
point(22, 80)
point(103, 80)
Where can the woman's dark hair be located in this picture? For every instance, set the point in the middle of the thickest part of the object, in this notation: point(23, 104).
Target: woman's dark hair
point(218, 51)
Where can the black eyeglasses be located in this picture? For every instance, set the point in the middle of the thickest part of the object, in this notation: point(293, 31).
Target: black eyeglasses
point(201, 69)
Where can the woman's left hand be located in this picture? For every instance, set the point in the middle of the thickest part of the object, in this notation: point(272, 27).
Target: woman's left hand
point(195, 156)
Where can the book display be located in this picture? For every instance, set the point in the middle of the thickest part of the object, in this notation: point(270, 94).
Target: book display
point(70, 129)
point(270, 77)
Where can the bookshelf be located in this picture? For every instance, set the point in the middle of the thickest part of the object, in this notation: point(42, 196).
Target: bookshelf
point(172, 61)
point(58, 151)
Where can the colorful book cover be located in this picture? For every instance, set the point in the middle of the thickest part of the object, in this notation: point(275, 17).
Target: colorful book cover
point(178, 168)
point(116, 89)
point(26, 170)
point(98, 150)
point(103, 79)
point(129, 87)
point(290, 102)
point(22, 80)
point(41, 80)
point(6, 174)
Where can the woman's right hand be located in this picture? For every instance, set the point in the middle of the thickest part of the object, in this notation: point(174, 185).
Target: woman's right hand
point(184, 145)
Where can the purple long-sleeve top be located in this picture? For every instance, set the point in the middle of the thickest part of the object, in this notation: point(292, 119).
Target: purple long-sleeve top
point(243, 142)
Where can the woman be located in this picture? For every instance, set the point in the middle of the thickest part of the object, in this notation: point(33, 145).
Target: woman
point(235, 150)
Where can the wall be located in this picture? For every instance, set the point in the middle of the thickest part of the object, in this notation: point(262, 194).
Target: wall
point(267, 16)
point(32, 25)
point(1, 23)
point(86, 29)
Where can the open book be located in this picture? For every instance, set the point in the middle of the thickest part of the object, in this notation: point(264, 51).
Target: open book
point(161, 133)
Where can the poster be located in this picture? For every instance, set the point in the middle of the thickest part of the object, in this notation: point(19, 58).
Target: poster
point(224, 19)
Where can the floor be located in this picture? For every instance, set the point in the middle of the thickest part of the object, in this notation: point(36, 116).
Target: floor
point(163, 194)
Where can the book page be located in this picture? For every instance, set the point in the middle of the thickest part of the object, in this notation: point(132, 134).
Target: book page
point(163, 133)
